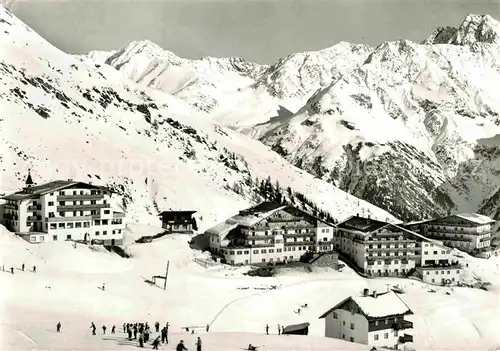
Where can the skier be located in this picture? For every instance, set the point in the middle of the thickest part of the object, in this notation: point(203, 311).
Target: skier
point(22, 267)
point(124, 328)
point(156, 342)
point(135, 331)
point(267, 329)
point(251, 347)
point(141, 340)
point(58, 326)
point(92, 326)
point(12, 270)
point(207, 328)
point(157, 327)
point(113, 329)
point(180, 346)
point(104, 329)
point(129, 332)
point(103, 286)
point(198, 344)
point(34, 269)
point(146, 334)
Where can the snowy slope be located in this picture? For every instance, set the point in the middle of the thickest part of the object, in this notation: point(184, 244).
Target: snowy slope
point(68, 117)
point(237, 307)
point(396, 125)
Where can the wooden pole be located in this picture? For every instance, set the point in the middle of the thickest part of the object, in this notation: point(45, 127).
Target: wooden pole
point(166, 275)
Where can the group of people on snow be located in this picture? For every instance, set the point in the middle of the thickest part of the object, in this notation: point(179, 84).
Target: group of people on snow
point(23, 266)
point(142, 332)
point(281, 329)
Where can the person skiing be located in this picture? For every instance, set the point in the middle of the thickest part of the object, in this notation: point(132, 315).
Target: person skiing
point(135, 331)
point(34, 269)
point(129, 332)
point(103, 286)
point(180, 346)
point(104, 329)
point(58, 326)
point(207, 328)
point(22, 267)
point(92, 326)
point(198, 344)
point(279, 329)
point(12, 270)
point(146, 334)
point(113, 329)
point(124, 328)
point(157, 326)
point(267, 329)
point(156, 342)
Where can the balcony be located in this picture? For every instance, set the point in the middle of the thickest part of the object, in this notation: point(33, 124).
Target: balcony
point(69, 219)
point(482, 240)
point(118, 215)
point(294, 235)
point(284, 220)
point(33, 218)
point(86, 197)
point(402, 324)
point(406, 338)
point(10, 216)
point(374, 249)
point(11, 206)
point(35, 208)
point(87, 207)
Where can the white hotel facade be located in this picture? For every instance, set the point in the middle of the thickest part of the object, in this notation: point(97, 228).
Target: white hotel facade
point(64, 210)
point(270, 233)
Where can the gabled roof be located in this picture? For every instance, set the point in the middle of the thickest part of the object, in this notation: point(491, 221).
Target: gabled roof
point(384, 305)
point(361, 224)
point(43, 189)
point(176, 212)
point(470, 217)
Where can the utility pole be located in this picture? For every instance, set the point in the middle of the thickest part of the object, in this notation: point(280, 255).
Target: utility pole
point(166, 275)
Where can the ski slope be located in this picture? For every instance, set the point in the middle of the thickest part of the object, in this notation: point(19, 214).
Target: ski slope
point(66, 288)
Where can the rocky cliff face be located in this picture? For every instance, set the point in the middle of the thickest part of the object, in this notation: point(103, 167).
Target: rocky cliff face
point(397, 125)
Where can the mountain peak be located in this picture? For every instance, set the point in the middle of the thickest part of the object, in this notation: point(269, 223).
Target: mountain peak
point(474, 29)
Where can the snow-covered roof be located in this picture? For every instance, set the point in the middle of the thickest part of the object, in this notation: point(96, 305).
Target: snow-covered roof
point(222, 229)
point(42, 189)
point(475, 217)
point(384, 305)
point(254, 215)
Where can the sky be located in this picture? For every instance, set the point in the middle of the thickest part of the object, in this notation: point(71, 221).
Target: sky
point(260, 31)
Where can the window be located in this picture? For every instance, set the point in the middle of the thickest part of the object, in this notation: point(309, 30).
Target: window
point(54, 237)
point(42, 238)
point(97, 233)
point(263, 251)
point(425, 252)
point(335, 316)
point(78, 224)
point(86, 224)
point(33, 238)
point(92, 202)
point(51, 203)
point(255, 251)
point(106, 211)
point(68, 237)
point(69, 225)
point(386, 335)
point(53, 226)
point(104, 232)
point(62, 225)
point(51, 215)
point(93, 212)
point(352, 325)
point(104, 222)
point(61, 214)
point(74, 192)
point(343, 336)
point(375, 337)
point(61, 193)
point(343, 322)
point(97, 222)
point(352, 339)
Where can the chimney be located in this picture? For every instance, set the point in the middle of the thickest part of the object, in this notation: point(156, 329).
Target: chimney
point(366, 292)
point(70, 179)
point(374, 294)
point(357, 214)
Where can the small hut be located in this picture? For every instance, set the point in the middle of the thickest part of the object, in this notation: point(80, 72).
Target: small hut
point(297, 329)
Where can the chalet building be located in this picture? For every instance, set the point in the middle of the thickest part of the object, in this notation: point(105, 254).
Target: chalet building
point(268, 233)
point(469, 232)
point(63, 210)
point(384, 249)
point(178, 221)
point(374, 319)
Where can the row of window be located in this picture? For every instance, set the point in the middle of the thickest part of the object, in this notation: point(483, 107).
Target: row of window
point(264, 251)
point(436, 252)
point(80, 192)
point(68, 225)
point(442, 272)
point(271, 260)
point(393, 253)
point(385, 262)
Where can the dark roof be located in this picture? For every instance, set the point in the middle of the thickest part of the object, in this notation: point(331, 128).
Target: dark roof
point(361, 224)
point(176, 212)
point(263, 207)
point(38, 190)
point(295, 327)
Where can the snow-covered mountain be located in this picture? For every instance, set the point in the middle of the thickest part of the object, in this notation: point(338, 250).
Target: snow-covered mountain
point(70, 117)
point(397, 125)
